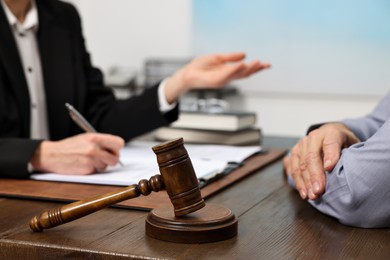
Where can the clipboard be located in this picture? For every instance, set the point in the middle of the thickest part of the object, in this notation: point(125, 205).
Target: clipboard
point(69, 192)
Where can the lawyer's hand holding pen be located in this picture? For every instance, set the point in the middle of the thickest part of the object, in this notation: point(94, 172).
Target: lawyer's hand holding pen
point(81, 154)
point(80, 120)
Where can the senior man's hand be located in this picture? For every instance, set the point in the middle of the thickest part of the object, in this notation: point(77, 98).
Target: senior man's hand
point(315, 154)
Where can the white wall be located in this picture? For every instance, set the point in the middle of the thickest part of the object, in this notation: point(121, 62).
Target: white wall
point(125, 32)
point(292, 114)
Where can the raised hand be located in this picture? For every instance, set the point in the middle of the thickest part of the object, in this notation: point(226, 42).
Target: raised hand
point(211, 71)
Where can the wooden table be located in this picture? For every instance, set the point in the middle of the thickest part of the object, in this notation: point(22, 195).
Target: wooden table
point(274, 223)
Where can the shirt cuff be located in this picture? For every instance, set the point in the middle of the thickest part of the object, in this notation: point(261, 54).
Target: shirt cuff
point(163, 103)
point(30, 168)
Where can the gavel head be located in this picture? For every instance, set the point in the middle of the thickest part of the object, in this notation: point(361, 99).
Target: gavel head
point(179, 177)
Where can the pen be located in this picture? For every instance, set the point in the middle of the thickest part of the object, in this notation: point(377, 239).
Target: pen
point(216, 175)
point(80, 120)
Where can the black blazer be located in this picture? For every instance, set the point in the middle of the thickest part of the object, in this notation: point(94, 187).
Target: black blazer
point(68, 77)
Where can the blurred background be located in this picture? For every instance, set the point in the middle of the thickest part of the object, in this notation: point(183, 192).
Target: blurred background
point(330, 59)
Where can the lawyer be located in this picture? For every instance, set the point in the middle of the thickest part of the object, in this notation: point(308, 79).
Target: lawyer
point(44, 64)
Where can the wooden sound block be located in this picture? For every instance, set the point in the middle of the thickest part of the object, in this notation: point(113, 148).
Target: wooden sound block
point(209, 224)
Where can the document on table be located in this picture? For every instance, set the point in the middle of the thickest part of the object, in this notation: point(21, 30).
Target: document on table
point(140, 162)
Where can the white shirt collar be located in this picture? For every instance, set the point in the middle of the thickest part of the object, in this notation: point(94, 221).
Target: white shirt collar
point(31, 21)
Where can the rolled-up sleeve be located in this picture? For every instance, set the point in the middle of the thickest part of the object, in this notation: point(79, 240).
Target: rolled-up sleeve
point(358, 189)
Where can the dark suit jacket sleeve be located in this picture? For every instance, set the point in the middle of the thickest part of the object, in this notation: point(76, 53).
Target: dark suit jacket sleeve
point(15, 154)
point(68, 77)
point(126, 118)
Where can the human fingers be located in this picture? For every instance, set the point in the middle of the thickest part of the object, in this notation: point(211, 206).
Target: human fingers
point(83, 165)
point(231, 57)
point(102, 157)
point(74, 155)
point(337, 137)
point(108, 142)
point(306, 165)
point(251, 68)
point(332, 151)
point(224, 74)
point(99, 165)
point(106, 155)
point(97, 149)
point(314, 163)
point(86, 158)
point(296, 171)
point(87, 163)
point(72, 165)
point(307, 157)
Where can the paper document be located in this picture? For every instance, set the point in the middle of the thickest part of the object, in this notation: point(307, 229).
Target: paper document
point(140, 162)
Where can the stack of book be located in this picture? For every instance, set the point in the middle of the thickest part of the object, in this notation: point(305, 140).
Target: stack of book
point(228, 128)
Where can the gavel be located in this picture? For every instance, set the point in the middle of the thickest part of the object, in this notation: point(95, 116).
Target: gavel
point(178, 178)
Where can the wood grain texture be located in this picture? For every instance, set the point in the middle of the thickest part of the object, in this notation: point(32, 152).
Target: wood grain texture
point(209, 224)
point(69, 192)
point(274, 223)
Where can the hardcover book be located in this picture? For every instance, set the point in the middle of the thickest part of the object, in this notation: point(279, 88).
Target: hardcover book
point(226, 121)
point(246, 136)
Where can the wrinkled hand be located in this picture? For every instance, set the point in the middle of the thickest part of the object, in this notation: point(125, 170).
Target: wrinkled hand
point(211, 71)
point(314, 154)
point(81, 154)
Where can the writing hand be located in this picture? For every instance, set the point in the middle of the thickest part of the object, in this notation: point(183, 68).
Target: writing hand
point(314, 154)
point(211, 71)
point(81, 154)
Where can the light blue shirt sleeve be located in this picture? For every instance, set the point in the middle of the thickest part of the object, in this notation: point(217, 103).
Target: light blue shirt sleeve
point(365, 127)
point(358, 189)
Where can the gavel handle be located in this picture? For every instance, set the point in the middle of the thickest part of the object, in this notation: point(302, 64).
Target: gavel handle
point(78, 209)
